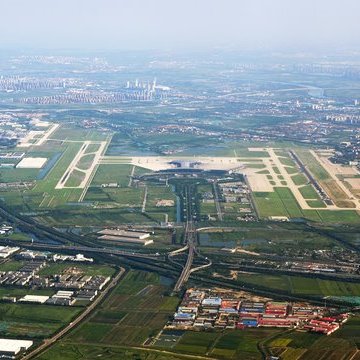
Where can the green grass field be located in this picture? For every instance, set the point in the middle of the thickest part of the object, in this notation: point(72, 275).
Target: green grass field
point(308, 192)
point(297, 285)
point(282, 202)
point(299, 179)
point(225, 345)
point(74, 351)
point(34, 321)
point(85, 162)
point(313, 165)
point(119, 174)
point(14, 175)
point(75, 179)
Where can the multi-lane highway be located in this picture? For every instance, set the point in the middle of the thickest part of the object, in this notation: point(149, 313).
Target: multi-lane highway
point(86, 249)
point(190, 239)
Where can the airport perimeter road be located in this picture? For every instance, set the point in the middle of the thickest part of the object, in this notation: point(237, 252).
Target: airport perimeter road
point(81, 317)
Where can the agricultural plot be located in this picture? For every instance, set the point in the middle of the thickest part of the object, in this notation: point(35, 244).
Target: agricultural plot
point(35, 321)
point(230, 344)
point(308, 346)
point(73, 351)
point(297, 285)
point(135, 310)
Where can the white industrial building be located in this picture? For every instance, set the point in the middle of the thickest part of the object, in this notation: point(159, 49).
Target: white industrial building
point(140, 235)
point(39, 299)
point(9, 348)
point(6, 251)
point(31, 163)
point(125, 236)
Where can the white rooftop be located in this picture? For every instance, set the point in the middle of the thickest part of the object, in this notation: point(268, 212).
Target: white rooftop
point(12, 345)
point(34, 298)
point(6, 251)
point(31, 163)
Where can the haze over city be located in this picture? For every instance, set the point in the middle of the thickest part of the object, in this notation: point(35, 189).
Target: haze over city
point(162, 24)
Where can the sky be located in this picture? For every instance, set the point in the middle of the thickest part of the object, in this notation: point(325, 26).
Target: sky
point(172, 24)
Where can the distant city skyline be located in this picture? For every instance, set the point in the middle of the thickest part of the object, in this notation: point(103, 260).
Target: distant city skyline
point(161, 24)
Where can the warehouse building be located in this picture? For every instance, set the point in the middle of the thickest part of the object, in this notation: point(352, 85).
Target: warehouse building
point(129, 236)
point(39, 299)
point(6, 251)
point(10, 348)
point(115, 239)
point(139, 235)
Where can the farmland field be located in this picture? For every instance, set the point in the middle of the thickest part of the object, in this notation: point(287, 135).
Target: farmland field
point(36, 321)
point(306, 346)
point(297, 285)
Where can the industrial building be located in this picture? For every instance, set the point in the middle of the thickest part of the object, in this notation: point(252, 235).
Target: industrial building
point(207, 309)
point(140, 235)
point(10, 348)
point(38, 299)
point(125, 236)
point(6, 251)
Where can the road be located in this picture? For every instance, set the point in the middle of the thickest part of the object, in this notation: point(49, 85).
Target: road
point(190, 239)
point(217, 202)
point(131, 176)
point(190, 242)
point(143, 207)
point(109, 251)
point(82, 316)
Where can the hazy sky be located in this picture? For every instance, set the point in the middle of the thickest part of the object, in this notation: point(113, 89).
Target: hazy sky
point(137, 24)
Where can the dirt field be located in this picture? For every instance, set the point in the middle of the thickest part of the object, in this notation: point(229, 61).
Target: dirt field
point(337, 168)
point(354, 183)
point(336, 188)
point(258, 182)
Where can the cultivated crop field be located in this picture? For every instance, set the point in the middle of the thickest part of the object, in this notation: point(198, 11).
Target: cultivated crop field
point(298, 285)
point(343, 344)
point(136, 309)
point(34, 321)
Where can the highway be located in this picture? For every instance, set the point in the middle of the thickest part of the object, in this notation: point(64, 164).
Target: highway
point(217, 202)
point(79, 248)
point(82, 316)
point(190, 239)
